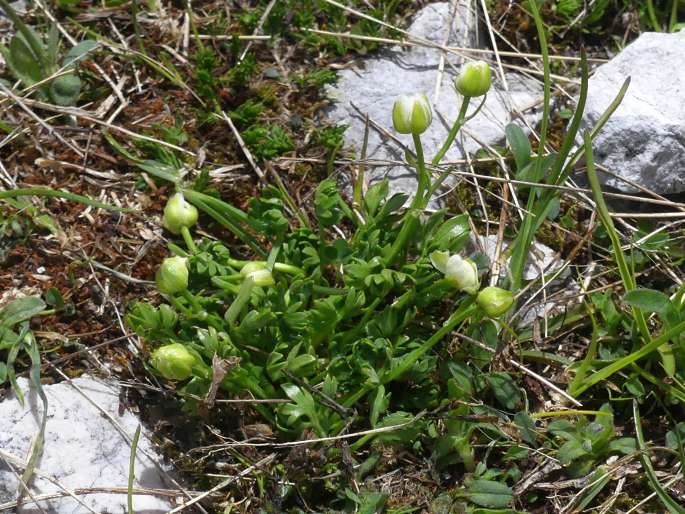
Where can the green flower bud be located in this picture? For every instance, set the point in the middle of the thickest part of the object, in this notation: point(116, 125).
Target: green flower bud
point(474, 79)
point(172, 275)
point(178, 214)
point(495, 301)
point(412, 114)
point(173, 361)
point(258, 272)
point(460, 273)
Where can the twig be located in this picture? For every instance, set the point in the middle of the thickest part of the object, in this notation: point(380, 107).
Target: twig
point(243, 147)
point(292, 444)
point(546, 382)
point(227, 482)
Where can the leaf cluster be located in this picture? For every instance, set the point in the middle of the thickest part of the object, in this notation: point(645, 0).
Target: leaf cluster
point(37, 60)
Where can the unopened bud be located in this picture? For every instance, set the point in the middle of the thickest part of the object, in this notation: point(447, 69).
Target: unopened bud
point(178, 213)
point(412, 114)
point(495, 301)
point(474, 79)
point(173, 361)
point(172, 275)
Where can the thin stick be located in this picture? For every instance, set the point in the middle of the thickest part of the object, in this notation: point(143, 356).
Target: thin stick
point(292, 444)
point(450, 49)
point(243, 147)
point(547, 383)
point(23, 104)
point(228, 481)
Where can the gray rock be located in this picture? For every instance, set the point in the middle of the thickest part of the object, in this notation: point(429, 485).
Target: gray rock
point(542, 260)
point(82, 449)
point(374, 86)
point(644, 141)
point(19, 6)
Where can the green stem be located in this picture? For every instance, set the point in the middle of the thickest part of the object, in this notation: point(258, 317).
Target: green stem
point(673, 20)
point(358, 190)
point(453, 131)
point(335, 291)
point(180, 307)
point(240, 300)
point(527, 230)
point(411, 218)
point(131, 469)
point(439, 289)
point(190, 298)
point(278, 266)
point(423, 184)
point(188, 238)
point(652, 16)
point(465, 310)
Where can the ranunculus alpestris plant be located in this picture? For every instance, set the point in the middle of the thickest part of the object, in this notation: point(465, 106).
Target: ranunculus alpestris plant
point(354, 318)
point(495, 301)
point(459, 272)
point(342, 314)
point(179, 214)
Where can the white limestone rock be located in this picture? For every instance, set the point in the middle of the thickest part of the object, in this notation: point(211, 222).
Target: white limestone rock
point(374, 84)
point(542, 260)
point(82, 449)
point(644, 141)
point(18, 5)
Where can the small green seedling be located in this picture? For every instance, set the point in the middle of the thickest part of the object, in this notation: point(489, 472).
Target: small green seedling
point(587, 443)
point(34, 60)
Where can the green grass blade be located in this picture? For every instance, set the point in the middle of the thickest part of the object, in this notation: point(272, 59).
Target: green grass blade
point(627, 277)
point(621, 363)
point(572, 132)
point(53, 193)
point(132, 470)
point(30, 36)
point(527, 232)
point(669, 503)
point(589, 357)
point(600, 478)
point(221, 217)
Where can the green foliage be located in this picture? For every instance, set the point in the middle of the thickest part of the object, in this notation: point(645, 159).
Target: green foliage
point(246, 113)
point(15, 335)
point(350, 334)
point(488, 493)
point(239, 75)
point(267, 142)
point(586, 443)
point(316, 79)
point(330, 137)
point(33, 59)
point(206, 82)
point(568, 8)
